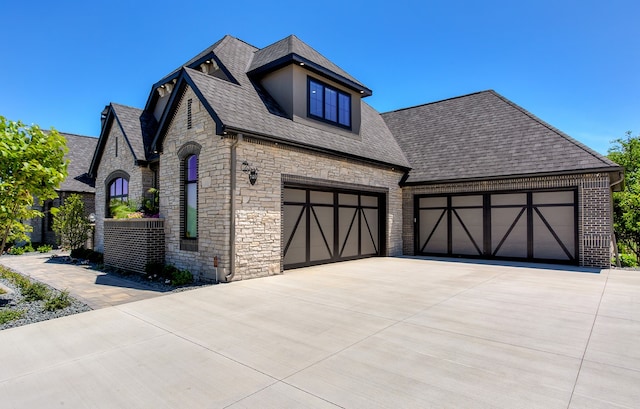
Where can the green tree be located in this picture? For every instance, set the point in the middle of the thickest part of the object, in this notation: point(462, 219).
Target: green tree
point(32, 165)
point(626, 204)
point(70, 223)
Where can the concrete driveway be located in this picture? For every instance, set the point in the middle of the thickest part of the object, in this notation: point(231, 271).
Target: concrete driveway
point(376, 333)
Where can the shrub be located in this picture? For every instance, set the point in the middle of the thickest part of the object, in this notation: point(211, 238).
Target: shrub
point(95, 257)
point(154, 268)
point(28, 248)
point(70, 223)
point(35, 292)
point(10, 315)
point(168, 271)
point(181, 277)
point(627, 260)
point(60, 301)
point(45, 248)
point(17, 279)
point(16, 251)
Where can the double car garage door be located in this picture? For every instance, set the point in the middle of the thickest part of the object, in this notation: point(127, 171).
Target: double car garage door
point(323, 226)
point(538, 225)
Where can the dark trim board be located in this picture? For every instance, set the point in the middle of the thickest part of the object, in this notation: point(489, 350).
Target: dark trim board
point(528, 225)
point(325, 225)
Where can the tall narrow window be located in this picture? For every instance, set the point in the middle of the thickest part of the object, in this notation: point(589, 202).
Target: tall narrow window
point(191, 196)
point(329, 104)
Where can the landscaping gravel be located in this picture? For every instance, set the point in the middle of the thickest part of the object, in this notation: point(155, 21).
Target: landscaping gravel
point(34, 311)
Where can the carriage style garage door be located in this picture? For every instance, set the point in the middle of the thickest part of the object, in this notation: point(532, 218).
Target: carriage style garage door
point(539, 225)
point(323, 226)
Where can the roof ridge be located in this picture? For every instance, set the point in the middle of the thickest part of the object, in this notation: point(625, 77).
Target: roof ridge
point(550, 127)
point(126, 106)
point(437, 102)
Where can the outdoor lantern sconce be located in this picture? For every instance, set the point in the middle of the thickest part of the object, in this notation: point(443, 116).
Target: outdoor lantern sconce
point(253, 172)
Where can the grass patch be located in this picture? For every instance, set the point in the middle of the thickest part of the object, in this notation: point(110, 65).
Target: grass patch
point(10, 315)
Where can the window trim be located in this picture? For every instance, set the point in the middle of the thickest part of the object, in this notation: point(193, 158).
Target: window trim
point(324, 118)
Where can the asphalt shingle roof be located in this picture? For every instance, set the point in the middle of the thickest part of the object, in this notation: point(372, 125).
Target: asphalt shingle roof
point(240, 107)
point(484, 135)
point(80, 153)
point(293, 45)
point(138, 127)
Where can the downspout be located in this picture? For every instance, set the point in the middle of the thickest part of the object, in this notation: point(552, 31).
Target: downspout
point(613, 233)
point(232, 226)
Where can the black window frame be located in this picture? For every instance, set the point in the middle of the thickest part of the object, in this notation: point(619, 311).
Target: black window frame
point(324, 117)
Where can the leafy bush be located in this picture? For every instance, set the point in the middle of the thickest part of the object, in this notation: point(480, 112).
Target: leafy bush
point(35, 292)
point(181, 277)
point(45, 248)
point(16, 251)
point(70, 223)
point(168, 271)
point(123, 209)
point(10, 315)
point(60, 301)
point(627, 260)
point(28, 248)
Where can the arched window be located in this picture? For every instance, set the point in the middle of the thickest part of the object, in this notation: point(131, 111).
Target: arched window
point(191, 197)
point(119, 190)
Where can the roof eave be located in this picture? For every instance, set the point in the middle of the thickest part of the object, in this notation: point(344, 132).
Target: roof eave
point(294, 58)
point(274, 139)
point(515, 176)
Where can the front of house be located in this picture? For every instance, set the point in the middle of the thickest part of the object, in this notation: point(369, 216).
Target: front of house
point(269, 159)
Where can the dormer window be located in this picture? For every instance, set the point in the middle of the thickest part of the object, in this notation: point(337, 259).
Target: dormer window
point(329, 104)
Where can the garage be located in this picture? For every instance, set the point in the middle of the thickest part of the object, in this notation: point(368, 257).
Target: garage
point(328, 225)
point(531, 225)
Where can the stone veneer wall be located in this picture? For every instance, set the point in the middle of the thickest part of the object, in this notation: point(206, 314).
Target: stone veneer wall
point(258, 208)
point(140, 178)
point(594, 212)
point(129, 244)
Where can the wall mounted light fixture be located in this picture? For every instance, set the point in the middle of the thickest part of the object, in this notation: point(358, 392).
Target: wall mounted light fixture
point(252, 171)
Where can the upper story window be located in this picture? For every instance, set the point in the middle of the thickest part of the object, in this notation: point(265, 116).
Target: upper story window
point(329, 104)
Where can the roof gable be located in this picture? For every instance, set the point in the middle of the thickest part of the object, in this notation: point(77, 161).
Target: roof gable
point(484, 135)
point(292, 50)
point(138, 128)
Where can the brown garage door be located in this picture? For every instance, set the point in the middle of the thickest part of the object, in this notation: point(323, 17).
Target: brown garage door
point(538, 225)
point(323, 226)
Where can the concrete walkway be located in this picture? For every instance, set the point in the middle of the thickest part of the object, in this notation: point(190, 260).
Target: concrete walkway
point(94, 288)
point(376, 333)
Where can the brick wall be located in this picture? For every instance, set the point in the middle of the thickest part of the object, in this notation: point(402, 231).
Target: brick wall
point(594, 214)
point(129, 244)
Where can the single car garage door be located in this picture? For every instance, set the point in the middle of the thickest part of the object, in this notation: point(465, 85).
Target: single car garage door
point(324, 226)
point(537, 225)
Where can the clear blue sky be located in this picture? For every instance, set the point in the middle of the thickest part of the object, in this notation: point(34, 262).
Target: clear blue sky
point(575, 64)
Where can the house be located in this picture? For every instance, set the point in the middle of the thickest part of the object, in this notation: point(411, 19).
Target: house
point(81, 149)
point(269, 158)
